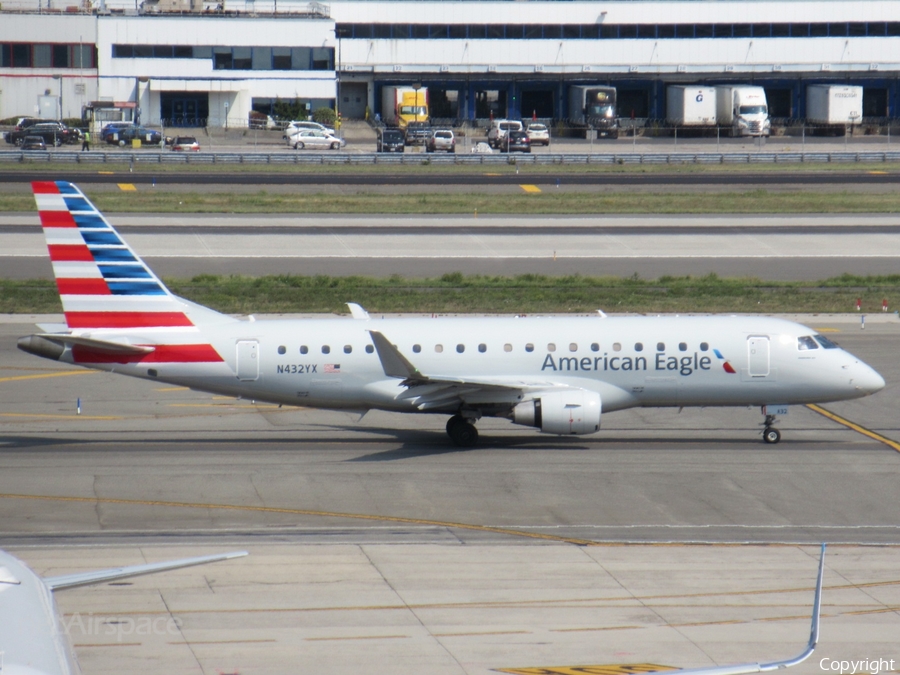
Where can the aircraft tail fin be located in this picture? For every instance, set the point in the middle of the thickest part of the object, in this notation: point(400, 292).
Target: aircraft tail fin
point(102, 282)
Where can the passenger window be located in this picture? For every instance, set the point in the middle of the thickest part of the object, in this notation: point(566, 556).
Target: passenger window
point(460, 348)
point(529, 347)
point(617, 346)
point(825, 342)
point(638, 346)
point(551, 347)
point(370, 349)
point(482, 348)
point(417, 348)
point(573, 346)
point(282, 349)
point(304, 349)
point(704, 347)
point(507, 347)
point(660, 346)
point(326, 349)
point(682, 346)
point(595, 347)
point(806, 342)
point(348, 349)
point(439, 348)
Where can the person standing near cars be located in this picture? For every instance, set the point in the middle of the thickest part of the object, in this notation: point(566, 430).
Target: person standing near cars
point(86, 141)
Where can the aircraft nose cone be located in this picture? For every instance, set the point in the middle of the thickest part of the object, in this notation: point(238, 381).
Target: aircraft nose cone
point(868, 380)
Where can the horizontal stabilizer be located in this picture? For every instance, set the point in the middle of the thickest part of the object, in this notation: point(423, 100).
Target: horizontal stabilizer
point(100, 576)
point(99, 345)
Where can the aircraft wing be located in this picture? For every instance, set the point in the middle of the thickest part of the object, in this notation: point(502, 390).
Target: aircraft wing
point(99, 576)
point(431, 392)
point(740, 669)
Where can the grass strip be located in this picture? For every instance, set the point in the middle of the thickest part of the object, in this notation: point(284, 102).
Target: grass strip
point(524, 294)
point(547, 202)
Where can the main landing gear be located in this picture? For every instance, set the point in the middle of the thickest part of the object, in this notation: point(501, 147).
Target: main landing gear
point(770, 433)
point(462, 431)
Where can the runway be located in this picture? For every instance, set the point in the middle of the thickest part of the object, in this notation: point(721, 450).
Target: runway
point(378, 547)
point(767, 247)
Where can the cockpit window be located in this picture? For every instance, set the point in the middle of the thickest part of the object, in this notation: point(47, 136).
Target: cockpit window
point(825, 342)
point(806, 342)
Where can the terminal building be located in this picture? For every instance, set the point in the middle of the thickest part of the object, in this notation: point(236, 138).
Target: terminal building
point(192, 63)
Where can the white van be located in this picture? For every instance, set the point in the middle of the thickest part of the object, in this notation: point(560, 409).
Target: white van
point(499, 129)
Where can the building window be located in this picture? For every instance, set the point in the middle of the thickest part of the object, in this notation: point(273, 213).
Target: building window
point(281, 58)
point(222, 58)
point(42, 56)
point(262, 58)
point(242, 58)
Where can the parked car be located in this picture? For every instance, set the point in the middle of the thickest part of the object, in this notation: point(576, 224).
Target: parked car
point(124, 135)
point(499, 129)
point(53, 133)
point(441, 139)
point(33, 143)
point(390, 139)
point(293, 127)
point(258, 120)
point(314, 139)
point(417, 133)
point(482, 148)
point(25, 122)
point(113, 128)
point(185, 144)
point(515, 141)
point(538, 133)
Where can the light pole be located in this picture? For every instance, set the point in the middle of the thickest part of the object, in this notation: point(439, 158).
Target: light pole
point(59, 79)
point(226, 115)
point(416, 86)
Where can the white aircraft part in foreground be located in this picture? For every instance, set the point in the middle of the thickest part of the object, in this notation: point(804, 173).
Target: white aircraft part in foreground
point(554, 373)
point(31, 639)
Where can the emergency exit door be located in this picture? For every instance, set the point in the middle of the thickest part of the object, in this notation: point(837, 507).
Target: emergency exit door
point(247, 360)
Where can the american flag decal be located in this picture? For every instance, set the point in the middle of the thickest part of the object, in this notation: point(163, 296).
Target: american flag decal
point(332, 367)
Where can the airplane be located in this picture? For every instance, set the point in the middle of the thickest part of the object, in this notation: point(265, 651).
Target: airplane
point(557, 374)
point(32, 639)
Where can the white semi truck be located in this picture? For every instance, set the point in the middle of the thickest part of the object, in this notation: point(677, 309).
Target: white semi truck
point(834, 107)
point(744, 109)
point(691, 106)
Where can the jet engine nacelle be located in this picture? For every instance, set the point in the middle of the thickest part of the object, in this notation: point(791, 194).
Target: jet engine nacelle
point(566, 413)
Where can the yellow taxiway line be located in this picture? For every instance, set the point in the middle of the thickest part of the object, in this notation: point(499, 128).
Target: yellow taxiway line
point(62, 373)
point(856, 427)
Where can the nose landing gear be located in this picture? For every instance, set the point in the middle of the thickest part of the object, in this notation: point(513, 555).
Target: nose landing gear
point(770, 433)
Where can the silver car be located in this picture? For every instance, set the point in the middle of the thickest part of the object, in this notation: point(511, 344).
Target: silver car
point(315, 140)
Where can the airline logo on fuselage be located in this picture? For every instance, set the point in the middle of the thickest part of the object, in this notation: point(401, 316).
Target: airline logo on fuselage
point(684, 365)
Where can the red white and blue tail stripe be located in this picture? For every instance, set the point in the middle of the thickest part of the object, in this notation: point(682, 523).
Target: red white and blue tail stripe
point(102, 282)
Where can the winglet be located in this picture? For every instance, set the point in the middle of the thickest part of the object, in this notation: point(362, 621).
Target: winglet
point(393, 362)
point(100, 576)
point(746, 668)
point(813, 629)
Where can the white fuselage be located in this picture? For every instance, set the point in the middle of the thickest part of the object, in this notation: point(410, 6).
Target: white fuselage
point(629, 362)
